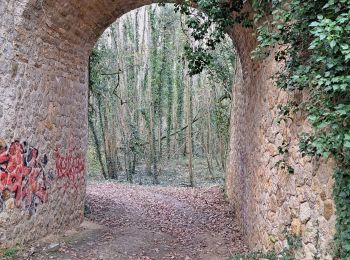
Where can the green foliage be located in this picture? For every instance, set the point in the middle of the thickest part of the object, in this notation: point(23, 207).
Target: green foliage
point(98, 66)
point(286, 111)
point(221, 72)
point(282, 164)
point(222, 117)
point(180, 88)
point(341, 195)
point(207, 27)
point(197, 58)
point(294, 242)
point(270, 255)
point(314, 36)
point(9, 253)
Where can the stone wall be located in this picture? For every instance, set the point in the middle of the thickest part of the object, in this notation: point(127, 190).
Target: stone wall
point(44, 49)
point(270, 202)
point(44, 126)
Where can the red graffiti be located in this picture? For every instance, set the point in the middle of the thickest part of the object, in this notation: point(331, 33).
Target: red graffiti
point(71, 168)
point(22, 176)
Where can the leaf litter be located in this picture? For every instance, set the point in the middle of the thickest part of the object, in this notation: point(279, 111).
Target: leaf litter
point(152, 222)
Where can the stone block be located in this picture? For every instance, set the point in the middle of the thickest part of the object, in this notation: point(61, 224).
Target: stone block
point(328, 209)
point(296, 227)
point(305, 212)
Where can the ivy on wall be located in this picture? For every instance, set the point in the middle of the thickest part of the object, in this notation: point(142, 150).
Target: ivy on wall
point(313, 40)
point(314, 36)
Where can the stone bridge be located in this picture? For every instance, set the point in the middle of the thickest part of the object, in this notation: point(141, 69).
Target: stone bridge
point(44, 50)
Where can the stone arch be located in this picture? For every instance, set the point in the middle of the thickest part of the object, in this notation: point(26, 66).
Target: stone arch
point(44, 50)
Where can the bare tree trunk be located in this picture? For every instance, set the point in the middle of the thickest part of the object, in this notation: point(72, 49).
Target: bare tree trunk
point(153, 152)
point(107, 139)
point(97, 147)
point(189, 132)
point(206, 147)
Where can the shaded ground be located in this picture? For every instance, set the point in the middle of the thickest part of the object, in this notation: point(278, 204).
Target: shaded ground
point(138, 222)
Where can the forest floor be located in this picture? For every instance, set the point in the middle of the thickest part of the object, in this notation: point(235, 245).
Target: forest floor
point(147, 222)
point(172, 172)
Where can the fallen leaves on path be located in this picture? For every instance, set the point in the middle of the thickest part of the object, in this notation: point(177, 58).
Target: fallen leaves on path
point(151, 222)
point(195, 218)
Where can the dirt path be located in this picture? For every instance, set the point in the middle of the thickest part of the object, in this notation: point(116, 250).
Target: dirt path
point(135, 222)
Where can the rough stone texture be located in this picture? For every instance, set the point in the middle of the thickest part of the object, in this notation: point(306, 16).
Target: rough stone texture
point(296, 227)
point(305, 212)
point(269, 201)
point(328, 209)
point(44, 49)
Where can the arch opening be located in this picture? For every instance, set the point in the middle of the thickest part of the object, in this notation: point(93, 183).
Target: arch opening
point(139, 70)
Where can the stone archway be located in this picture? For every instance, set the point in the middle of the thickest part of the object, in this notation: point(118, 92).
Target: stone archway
point(44, 50)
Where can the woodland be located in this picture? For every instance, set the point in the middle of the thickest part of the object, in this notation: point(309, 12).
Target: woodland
point(151, 120)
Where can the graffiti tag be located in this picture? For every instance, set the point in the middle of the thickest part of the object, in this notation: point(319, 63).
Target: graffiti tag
point(71, 168)
point(22, 176)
